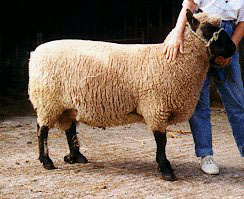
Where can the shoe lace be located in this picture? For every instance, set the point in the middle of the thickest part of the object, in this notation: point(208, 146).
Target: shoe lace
point(209, 160)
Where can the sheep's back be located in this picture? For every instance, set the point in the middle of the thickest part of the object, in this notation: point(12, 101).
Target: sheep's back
point(89, 77)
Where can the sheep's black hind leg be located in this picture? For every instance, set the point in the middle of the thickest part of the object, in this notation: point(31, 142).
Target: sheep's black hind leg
point(164, 166)
point(75, 156)
point(43, 147)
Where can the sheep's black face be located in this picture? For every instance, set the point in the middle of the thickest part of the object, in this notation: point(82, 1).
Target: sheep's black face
point(223, 46)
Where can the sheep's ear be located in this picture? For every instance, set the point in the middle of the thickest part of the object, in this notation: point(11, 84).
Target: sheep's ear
point(199, 11)
point(192, 20)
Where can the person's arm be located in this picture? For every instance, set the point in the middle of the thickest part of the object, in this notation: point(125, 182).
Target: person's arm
point(238, 34)
point(175, 42)
point(236, 38)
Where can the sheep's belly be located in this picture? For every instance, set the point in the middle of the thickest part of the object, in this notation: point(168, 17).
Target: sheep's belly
point(108, 120)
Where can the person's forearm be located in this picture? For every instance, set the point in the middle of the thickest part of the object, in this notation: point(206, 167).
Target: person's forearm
point(238, 34)
point(181, 21)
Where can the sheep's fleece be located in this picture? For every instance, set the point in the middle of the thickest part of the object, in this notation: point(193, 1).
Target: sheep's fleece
point(105, 84)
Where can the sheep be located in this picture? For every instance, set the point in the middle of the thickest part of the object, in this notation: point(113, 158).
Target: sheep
point(106, 84)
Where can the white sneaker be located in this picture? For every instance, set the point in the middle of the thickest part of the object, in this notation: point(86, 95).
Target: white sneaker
point(209, 166)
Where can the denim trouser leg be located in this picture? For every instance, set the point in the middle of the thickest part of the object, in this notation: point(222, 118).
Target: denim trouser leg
point(200, 123)
point(232, 95)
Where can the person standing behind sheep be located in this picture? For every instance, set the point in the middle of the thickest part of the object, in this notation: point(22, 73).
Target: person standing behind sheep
point(231, 90)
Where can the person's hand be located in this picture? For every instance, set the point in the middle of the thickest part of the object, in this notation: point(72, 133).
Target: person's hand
point(172, 44)
point(220, 60)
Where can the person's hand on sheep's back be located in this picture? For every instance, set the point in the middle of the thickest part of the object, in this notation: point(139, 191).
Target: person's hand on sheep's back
point(172, 44)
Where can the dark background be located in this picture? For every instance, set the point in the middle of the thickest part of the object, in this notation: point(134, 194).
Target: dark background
point(25, 24)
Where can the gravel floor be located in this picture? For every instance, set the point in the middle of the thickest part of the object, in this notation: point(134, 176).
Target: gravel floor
point(121, 163)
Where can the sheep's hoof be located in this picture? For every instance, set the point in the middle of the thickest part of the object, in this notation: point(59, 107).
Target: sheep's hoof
point(168, 176)
point(47, 163)
point(78, 158)
point(167, 171)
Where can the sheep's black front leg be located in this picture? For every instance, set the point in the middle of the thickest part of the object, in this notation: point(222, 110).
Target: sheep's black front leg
point(164, 166)
point(43, 147)
point(75, 156)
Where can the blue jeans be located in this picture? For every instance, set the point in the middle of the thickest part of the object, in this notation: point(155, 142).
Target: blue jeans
point(232, 94)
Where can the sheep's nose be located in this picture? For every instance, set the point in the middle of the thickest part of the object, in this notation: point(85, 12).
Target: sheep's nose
point(230, 50)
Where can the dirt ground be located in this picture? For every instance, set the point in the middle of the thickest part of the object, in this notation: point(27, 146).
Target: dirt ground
point(121, 163)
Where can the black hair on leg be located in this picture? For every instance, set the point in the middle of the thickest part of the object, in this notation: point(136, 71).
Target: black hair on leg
point(75, 156)
point(43, 147)
point(164, 165)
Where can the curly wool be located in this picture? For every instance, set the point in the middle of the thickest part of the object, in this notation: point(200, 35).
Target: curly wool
point(105, 84)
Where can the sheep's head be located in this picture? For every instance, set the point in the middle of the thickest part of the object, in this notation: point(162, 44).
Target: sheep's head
point(206, 26)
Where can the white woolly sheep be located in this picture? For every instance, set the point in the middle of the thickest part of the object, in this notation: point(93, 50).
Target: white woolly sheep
point(105, 84)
